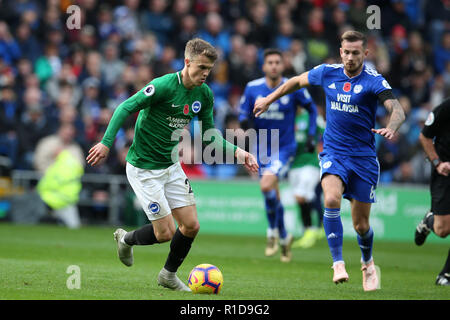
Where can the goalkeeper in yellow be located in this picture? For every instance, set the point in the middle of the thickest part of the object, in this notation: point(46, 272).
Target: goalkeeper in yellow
point(167, 104)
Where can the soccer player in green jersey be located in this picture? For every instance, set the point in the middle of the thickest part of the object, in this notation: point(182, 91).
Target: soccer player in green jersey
point(167, 104)
point(304, 176)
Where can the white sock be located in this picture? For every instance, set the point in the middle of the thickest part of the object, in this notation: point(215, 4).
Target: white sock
point(272, 233)
point(285, 241)
point(336, 262)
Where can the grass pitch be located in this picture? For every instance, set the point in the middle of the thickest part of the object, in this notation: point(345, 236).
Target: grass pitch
point(34, 261)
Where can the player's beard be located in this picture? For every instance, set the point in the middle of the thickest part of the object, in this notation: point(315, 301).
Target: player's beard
point(275, 77)
point(353, 69)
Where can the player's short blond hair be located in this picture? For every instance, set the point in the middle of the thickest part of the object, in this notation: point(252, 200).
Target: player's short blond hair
point(197, 46)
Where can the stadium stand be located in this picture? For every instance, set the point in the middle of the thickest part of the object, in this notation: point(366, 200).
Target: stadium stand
point(51, 75)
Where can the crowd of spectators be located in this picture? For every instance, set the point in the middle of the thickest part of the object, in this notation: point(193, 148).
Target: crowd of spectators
point(66, 83)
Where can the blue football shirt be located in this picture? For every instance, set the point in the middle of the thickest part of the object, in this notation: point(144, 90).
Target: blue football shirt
point(351, 105)
point(281, 113)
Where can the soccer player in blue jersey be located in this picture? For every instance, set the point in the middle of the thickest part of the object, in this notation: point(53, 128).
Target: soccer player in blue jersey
point(274, 157)
point(349, 165)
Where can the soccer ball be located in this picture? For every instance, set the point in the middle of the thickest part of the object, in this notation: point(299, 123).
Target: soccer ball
point(205, 278)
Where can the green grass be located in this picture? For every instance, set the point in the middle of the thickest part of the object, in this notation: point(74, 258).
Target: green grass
point(34, 260)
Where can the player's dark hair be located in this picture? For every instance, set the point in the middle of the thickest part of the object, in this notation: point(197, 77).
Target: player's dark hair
point(271, 51)
point(197, 47)
point(353, 36)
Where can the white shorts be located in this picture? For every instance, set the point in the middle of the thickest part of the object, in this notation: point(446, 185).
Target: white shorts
point(304, 180)
point(160, 191)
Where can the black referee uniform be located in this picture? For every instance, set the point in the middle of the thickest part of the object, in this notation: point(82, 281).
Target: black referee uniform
point(437, 130)
point(437, 127)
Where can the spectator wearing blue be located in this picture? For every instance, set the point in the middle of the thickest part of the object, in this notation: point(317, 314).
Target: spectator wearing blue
point(33, 126)
point(111, 66)
point(90, 105)
point(156, 19)
point(285, 35)
point(442, 53)
point(28, 43)
point(126, 19)
point(20, 8)
point(215, 33)
point(249, 69)
point(106, 26)
point(23, 73)
point(9, 111)
point(436, 17)
point(9, 49)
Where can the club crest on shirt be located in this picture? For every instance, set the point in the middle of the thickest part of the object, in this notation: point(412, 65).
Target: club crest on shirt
point(284, 100)
point(154, 207)
point(347, 87)
point(327, 164)
point(358, 88)
point(196, 106)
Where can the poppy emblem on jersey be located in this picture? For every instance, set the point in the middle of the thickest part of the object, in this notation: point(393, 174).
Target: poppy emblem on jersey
point(154, 207)
point(149, 90)
point(347, 87)
point(196, 106)
point(358, 88)
point(186, 109)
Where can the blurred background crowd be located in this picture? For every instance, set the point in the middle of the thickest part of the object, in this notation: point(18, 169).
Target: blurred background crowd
point(59, 87)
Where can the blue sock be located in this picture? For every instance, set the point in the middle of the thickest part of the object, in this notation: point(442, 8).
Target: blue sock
point(279, 213)
point(365, 242)
point(271, 201)
point(333, 229)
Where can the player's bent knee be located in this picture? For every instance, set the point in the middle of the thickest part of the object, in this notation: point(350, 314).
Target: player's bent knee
point(164, 235)
point(190, 230)
point(332, 201)
point(361, 227)
point(268, 182)
point(267, 186)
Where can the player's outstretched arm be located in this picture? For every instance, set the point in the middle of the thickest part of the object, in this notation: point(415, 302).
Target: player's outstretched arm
point(293, 84)
point(133, 104)
point(247, 159)
point(395, 121)
point(97, 153)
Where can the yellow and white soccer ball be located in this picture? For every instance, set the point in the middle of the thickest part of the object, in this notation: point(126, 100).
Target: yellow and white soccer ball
point(205, 278)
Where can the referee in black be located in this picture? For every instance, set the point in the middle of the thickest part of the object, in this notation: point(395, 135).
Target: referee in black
point(435, 140)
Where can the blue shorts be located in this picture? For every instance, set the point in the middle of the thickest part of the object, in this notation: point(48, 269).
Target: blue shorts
point(278, 163)
point(359, 174)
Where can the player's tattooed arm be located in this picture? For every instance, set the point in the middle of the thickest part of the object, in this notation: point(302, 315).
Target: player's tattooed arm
point(397, 114)
point(395, 121)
